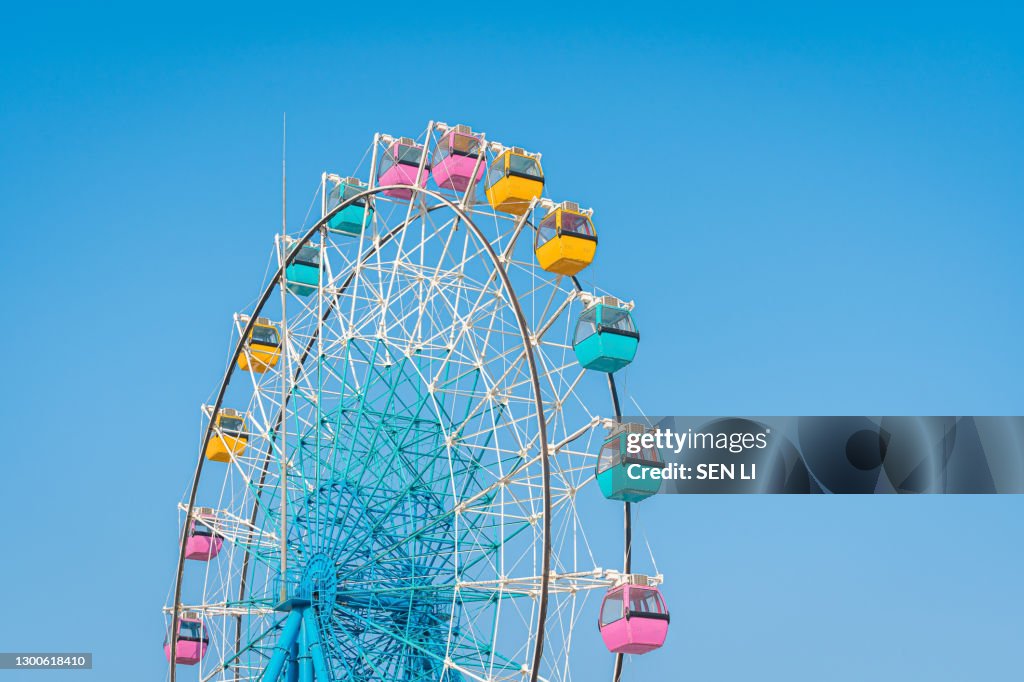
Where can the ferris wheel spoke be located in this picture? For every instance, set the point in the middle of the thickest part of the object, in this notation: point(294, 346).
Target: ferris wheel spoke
point(466, 654)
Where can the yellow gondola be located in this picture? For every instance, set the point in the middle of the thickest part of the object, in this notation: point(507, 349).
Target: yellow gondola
point(262, 348)
point(566, 241)
point(229, 437)
point(513, 180)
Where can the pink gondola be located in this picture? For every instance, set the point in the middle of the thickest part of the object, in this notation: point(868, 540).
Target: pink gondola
point(634, 618)
point(457, 159)
point(203, 543)
point(192, 641)
point(400, 165)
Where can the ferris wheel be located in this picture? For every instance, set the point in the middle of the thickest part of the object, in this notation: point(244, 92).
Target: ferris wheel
point(390, 472)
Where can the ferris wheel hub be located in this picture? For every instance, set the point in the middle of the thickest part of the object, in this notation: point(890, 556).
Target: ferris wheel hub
point(319, 582)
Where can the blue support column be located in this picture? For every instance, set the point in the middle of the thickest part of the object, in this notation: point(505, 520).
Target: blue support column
point(284, 644)
point(315, 649)
point(305, 660)
point(292, 672)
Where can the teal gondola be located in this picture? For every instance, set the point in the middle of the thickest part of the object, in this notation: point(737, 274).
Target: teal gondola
point(303, 273)
point(351, 219)
point(627, 476)
point(606, 337)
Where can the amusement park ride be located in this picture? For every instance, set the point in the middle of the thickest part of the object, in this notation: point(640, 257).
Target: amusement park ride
point(394, 455)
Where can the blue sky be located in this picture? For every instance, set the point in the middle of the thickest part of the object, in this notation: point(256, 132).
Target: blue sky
point(817, 209)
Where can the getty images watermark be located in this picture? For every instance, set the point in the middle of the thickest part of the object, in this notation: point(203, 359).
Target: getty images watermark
point(810, 455)
point(660, 443)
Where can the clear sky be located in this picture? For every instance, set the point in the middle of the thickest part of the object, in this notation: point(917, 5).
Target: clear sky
point(817, 209)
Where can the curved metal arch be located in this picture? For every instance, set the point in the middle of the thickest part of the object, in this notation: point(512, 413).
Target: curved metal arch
point(524, 332)
point(627, 521)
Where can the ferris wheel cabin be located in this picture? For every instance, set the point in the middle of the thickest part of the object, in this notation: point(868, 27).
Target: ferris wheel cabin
point(634, 618)
point(229, 437)
point(458, 159)
point(616, 462)
point(262, 348)
point(514, 179)
point(606, 337)
point(566, 241)
point(400, 165)
point(303, 273)
point(202, 543)
point(351, 219)
point(192, 638)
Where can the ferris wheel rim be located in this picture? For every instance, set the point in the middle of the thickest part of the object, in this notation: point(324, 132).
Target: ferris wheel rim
point(275, 281)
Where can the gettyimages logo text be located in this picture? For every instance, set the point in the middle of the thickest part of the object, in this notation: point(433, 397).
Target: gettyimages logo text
point(667, 440)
